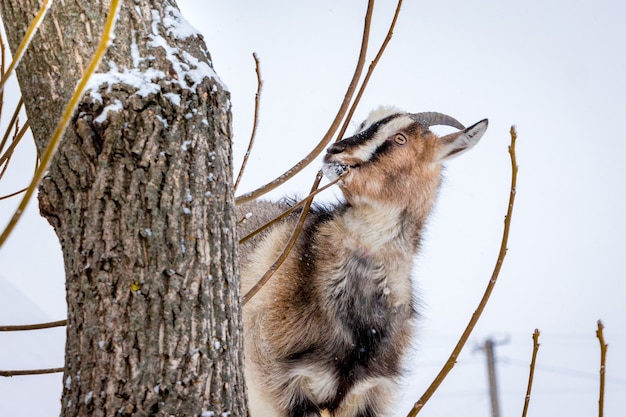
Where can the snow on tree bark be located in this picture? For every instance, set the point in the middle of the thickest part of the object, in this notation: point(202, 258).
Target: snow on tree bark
point(140, 196)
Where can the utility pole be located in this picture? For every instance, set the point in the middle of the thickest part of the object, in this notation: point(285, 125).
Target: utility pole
point(491, 373)
point(489, 348)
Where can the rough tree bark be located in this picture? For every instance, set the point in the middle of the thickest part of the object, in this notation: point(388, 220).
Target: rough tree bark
point(140, 196)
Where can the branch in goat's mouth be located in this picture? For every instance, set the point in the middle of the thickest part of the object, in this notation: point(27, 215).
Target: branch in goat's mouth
point(333, 170)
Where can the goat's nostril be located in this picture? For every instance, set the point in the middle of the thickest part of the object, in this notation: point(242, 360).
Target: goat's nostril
point(336, 148)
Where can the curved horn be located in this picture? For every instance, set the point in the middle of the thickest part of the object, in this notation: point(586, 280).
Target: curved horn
point(433, 118)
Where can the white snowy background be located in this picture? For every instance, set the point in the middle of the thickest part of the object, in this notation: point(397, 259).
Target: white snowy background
point(554, 68)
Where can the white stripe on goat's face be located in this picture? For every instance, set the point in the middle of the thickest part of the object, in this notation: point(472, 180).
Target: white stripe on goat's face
point(376, 115)
point(356, 150)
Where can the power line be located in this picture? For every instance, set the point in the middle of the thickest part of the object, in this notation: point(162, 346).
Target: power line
point(563, 371)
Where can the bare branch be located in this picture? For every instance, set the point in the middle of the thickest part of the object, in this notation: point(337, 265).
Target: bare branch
point(308, 200)
point(32, 327)
point(31, 372)
point(290, 243)
point(483, 302)
point(291, 209)
point(334, 125)
point(65, 119)
point(6, 157)
point(8, 129)
point(38, 326)
point(532, 371)
point(603, 349)
point(257, 99)
point(17, 137)
point(13, 194)
point(2, 67)
point(370, 70)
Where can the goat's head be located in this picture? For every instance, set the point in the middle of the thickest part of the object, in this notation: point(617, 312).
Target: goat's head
point(395, 159)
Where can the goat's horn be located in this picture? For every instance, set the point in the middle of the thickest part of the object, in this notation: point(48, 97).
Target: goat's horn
point(433, 118)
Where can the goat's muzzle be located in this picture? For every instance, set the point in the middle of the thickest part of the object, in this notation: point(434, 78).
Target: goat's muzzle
point(337, 147)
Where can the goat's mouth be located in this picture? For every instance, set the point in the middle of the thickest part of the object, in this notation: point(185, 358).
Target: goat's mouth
point(333, 170)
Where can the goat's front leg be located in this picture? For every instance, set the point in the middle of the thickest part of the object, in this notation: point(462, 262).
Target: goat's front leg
point(373, 402)
point(365, 411)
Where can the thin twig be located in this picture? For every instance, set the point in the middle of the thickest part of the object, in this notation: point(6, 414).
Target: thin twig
point(333, 127)
point(31, 372)
point(531, 375)
point(603, 349)
point(46, 157)
point(13, 194)
point(2, 67)
point(483, 302)
point(257, 100)
point(6, 156)
point(290, 243)
point(38, 326)
point(4, 168)
point(270, 272)
point(12, 122)
point(290, 210)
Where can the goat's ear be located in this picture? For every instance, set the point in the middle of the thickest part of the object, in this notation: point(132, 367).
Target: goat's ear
point(456, 143)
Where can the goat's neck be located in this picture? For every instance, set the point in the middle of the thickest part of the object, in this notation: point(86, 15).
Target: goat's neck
point(375, 225)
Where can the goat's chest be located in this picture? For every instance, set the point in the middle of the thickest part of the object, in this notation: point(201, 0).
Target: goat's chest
point(369, 299)
point(366, 281)
point(358, 315)
point(371, 325)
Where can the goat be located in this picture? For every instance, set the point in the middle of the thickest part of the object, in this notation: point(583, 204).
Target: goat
point(329, 331)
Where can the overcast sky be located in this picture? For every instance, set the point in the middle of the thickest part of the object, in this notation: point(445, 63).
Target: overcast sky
point(553, 68)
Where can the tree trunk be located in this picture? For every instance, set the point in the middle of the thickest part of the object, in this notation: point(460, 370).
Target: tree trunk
point(140, 196)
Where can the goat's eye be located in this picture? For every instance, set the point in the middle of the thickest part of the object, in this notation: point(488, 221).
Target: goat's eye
point(399, 138)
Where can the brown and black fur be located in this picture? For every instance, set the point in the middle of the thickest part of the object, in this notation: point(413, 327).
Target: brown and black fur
point(330, 330)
